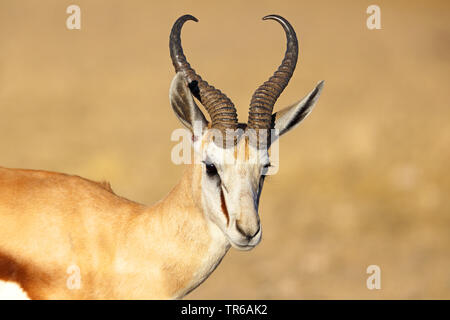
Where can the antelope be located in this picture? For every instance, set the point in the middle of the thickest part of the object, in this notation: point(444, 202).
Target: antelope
point(125, 250)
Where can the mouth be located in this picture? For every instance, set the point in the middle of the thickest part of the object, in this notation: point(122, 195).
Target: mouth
point(245, 245)
point(242, 247)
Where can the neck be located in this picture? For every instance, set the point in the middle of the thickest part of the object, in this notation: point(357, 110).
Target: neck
point(181, 248)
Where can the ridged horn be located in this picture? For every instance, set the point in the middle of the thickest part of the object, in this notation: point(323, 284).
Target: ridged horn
point(264, 98)
point(218, 105)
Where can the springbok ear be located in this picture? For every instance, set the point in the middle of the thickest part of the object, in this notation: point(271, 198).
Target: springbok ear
point(288, 118)
point(183, 103)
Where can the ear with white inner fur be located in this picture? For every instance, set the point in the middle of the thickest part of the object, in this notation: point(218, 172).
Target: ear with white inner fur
point(183, 103)
point(288, 118)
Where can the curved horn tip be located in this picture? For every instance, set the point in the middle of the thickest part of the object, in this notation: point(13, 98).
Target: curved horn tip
point(188, 17)
point(275, 17)
point(286, 25)
point(271, 16)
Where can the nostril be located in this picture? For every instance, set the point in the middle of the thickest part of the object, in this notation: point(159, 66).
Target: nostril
point(249, 235)
point(257, 231)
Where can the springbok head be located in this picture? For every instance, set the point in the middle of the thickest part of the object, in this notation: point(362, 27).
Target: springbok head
point(234, 156)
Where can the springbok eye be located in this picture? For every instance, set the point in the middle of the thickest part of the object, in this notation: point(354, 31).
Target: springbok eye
point(211, 169)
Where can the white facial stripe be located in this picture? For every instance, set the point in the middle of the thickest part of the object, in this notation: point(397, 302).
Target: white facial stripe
point(232, 202)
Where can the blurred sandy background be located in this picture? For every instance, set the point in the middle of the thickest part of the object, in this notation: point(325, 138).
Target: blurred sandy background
point(364, 180)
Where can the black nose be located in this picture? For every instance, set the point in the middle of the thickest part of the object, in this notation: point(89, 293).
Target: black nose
point(247, 233)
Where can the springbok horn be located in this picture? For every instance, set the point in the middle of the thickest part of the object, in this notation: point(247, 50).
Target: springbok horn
point(219, 106)
point(264, 98)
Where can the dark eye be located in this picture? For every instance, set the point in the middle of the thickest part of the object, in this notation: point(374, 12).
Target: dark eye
point(211, 169)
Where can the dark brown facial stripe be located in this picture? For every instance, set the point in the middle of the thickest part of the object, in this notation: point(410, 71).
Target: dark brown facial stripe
point(224, 206)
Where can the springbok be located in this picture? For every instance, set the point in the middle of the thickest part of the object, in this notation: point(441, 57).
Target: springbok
point(54, 223)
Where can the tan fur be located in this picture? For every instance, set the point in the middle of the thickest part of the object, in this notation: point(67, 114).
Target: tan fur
point(125, 250)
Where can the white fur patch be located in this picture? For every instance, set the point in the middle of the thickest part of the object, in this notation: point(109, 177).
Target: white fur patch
point(12, 291)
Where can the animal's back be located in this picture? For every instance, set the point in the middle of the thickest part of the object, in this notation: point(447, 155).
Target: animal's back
point(50, 221)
